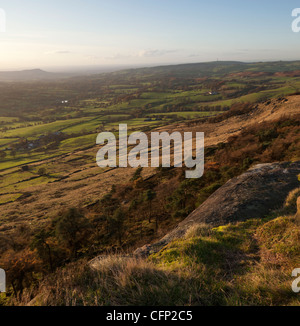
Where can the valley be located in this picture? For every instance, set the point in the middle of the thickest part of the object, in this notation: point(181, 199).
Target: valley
point(48, 172)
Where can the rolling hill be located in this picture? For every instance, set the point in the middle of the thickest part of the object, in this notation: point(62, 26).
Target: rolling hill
point(30, 75)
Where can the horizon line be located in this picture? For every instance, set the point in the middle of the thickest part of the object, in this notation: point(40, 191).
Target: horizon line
point(77, 68)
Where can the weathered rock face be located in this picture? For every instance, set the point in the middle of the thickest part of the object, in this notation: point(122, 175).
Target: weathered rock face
point(254, 194)
point(251, 195)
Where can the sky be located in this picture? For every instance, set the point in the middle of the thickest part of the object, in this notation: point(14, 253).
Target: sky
point(55, 35)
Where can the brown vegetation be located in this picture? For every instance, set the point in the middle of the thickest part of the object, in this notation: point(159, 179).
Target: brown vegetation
point(120, 216)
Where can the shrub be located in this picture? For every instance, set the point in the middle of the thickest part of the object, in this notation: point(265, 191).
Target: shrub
point(72, 229)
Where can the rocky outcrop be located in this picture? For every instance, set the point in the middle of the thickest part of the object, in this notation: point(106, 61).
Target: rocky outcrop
point(254, 194)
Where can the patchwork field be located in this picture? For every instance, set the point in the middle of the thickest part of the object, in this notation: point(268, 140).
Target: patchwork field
point(248, 112)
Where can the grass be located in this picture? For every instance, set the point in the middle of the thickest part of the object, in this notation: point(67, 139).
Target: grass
point(26, 185)
point(14, 178)
point(8, 198)
point(248, 263)
point(187, 114)
point(92, 125)
point(66, 146)
point(88, 114)
point(41, 129)
point(4, 141)
point(72, 144)
point(7, 119)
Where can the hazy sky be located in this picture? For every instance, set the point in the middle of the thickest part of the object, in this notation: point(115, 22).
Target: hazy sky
point(45, 34)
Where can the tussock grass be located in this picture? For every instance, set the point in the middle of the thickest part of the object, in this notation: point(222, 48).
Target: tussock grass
point(112, 281)
point(248, 263)
point(291, 201)
point(198, 230)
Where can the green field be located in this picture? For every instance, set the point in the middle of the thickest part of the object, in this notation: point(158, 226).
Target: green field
point(49, 175)
point(40, 128)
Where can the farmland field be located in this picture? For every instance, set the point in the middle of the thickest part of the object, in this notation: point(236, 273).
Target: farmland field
point(141, 98)
point(48, 150)
point(49, 121)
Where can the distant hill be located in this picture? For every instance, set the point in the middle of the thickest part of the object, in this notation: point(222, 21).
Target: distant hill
point(30, 75)
point(215, 69)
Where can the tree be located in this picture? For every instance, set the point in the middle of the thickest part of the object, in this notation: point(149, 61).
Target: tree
point(42, 171)
point(117, 224)
point(13, 153)
point(72, 229)
point(42, 247)
point(150, 196)
point(2, 155)
point(137, 174)
point(108, 207)
point(21, 268)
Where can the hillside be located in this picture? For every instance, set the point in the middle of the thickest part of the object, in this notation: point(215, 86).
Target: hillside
point(253, 195)
point(244, 263)
point(219, 131)
point(29, 75)
point(160, 90)
point(76, 172)
point(218, 68)
point(59, 210)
